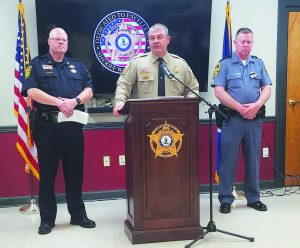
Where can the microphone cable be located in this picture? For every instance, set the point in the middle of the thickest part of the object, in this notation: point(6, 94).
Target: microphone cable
point(287, 190)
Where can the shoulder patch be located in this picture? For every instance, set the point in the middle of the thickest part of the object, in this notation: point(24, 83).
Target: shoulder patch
point(217, 70)
point(255, 57)
point(126, 68)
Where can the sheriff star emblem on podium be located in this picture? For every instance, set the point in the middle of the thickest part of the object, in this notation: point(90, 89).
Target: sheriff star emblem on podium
point(166, 140)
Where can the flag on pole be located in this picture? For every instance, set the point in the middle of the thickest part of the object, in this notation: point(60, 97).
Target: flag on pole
point(25, 143)
point(227, 51)
point(227, 38)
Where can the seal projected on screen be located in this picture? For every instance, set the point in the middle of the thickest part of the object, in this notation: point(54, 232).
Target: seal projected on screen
point(118, 37)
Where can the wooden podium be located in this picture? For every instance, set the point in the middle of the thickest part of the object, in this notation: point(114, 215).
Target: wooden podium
point(161, 137)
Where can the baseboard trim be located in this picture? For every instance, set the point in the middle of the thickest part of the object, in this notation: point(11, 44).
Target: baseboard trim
point(239, 186)
point(115, 194)
point(60, 198)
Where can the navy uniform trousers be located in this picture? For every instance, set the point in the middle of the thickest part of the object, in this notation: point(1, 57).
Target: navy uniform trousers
point(55, 142)
point(238, 131)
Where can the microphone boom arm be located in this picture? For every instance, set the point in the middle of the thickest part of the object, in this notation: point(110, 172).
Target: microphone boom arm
point(212, 106)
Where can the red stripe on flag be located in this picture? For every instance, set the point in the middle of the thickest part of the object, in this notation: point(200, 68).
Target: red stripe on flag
point(17, 74)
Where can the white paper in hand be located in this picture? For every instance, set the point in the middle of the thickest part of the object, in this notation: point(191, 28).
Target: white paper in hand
point(78, 116)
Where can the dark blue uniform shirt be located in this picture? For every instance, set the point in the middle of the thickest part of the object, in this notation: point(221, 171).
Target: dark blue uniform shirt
point(66, 79)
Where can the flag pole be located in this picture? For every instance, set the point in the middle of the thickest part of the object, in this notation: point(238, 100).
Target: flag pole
point(24, 143)
point(31, 207)
point(238, 195)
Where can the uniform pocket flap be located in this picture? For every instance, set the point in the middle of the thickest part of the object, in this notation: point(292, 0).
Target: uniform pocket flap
point(234, 76)
point(75, 76)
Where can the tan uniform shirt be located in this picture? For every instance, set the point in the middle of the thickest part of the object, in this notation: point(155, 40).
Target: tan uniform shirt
point(140, 78)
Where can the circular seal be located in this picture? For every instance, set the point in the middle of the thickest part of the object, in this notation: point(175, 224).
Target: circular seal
point(123, 42)
point(119, 37)
point(165, 140)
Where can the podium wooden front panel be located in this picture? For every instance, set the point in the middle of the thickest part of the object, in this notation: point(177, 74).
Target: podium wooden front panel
point(162, 192)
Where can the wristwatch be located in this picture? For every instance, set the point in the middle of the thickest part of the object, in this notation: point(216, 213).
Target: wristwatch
point(78, 100)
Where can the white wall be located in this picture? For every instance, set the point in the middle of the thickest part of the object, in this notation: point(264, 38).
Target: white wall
point(8, 29)
point(260, 16)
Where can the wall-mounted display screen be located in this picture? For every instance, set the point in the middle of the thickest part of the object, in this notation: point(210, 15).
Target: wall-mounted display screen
point(105, 35)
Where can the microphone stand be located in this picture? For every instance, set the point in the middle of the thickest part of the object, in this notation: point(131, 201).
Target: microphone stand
point(211, 226)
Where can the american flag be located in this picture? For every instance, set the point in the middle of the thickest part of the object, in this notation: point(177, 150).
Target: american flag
point(25, 143)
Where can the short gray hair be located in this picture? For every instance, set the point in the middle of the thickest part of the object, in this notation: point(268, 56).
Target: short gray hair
point(159, 26)
point(55, 30)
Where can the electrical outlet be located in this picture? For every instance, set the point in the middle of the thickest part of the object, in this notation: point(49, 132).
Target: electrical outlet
point(122, 160)
point(106, 161)
point(265, 152)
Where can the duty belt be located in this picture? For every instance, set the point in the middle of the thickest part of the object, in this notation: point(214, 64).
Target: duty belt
point(230, 112)
point(49, 115)
point(52, 115)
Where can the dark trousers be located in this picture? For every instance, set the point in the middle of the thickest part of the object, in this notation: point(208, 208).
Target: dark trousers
point(235, 132)
point(55, 142)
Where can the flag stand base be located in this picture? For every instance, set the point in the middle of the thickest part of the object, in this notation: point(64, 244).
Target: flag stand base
point(237, 194)
point(31, 208)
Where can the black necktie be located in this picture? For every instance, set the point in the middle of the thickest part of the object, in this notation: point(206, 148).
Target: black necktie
point(161, 79)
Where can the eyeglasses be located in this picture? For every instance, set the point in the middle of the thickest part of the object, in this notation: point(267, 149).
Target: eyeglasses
point(60, 39)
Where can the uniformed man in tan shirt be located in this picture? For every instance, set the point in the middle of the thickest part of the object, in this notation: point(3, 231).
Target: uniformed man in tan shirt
point(140, 77)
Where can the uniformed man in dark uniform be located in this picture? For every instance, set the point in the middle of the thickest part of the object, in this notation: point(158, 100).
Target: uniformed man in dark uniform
point(242, 85)
point(140, 77)
point(57, 83)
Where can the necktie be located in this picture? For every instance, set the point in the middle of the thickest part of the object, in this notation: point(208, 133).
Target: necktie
point(161, 79)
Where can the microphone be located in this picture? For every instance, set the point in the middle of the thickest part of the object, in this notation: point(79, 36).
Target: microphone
point(165, 70)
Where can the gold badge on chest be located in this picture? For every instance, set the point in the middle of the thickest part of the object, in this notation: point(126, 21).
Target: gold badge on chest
point(176, 69)
point(145, 72)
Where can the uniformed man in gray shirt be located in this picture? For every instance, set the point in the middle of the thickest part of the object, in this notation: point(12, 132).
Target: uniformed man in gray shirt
point(140, 78)
point(242, 85)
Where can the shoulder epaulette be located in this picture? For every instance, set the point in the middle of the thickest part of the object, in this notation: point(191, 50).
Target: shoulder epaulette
point(72, 59)
point(177, 57)
point(139, 56)
point(228, 57)
point(39, 57)
point(255, 57)
point(42, 56)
